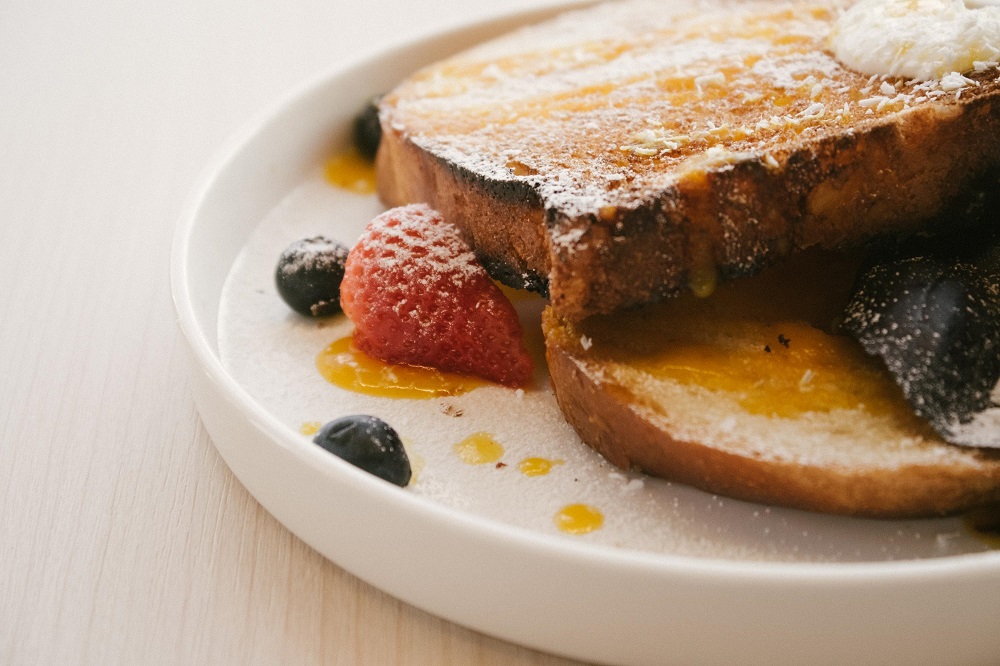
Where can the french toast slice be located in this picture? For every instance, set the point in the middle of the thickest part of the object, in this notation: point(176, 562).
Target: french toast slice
point(623, 153)
point(748, 393)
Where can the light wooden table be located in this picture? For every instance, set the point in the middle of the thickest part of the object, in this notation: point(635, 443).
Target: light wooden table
point(123, 536)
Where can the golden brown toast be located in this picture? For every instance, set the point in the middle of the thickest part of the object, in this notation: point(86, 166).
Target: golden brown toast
point(747, 394)
point(622, 153)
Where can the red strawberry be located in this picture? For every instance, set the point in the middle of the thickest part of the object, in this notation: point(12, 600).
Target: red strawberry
point(418, 296)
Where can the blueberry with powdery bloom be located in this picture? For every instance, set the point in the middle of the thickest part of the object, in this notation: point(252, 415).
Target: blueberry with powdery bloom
point(929, 307)
point(309, 274)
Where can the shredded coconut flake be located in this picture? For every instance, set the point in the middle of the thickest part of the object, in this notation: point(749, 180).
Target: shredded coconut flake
point(814, 111)
point(955, 81)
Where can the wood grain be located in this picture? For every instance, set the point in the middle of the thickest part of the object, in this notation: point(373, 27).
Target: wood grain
point(123, 536)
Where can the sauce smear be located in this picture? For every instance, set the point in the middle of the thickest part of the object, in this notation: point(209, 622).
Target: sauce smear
point(343, 365)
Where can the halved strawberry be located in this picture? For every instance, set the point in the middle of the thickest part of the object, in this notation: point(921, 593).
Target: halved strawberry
point(418, 296)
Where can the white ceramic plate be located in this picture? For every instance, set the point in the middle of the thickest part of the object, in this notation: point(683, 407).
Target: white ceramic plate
point(674, 576)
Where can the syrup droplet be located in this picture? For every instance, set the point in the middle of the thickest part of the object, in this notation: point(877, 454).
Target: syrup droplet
point(537, 466)
point(579, 519)
point(351, 171)
point(479, 449)
point(517, 295)
point(349, 368)
point(703, 278)
point(310, 427)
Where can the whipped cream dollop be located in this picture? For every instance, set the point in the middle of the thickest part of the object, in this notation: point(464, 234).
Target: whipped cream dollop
point(918, 39)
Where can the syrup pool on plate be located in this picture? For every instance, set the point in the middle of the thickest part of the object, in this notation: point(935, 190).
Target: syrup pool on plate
point(351, 171)
point(478, 449)
point(343, 365)
point(535, 466)
point(579, 519)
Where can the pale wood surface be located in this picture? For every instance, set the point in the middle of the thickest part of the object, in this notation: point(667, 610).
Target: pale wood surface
point(123, 537)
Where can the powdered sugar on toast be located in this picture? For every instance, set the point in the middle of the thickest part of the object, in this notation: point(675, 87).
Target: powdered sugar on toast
point(603, 106)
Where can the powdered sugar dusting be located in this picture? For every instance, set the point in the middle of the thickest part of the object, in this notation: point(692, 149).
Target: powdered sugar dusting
point(603, 107)
point(417, 296)
point(984, 428)
point(442, 254)
point(317, 253)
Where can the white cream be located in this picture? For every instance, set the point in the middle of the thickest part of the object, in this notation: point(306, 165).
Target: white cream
point(918, 39)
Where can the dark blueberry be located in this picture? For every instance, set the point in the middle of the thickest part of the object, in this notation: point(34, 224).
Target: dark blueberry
point(369, 443)
point(930, 309)
point(309, 274)
point(367, 130)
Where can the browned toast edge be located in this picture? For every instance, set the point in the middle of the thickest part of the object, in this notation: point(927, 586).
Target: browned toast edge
point(619, 432)
point(885, 176)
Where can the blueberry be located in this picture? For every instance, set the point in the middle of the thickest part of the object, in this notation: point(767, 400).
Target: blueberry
point(930, 308)
point(369, 443)
point(367, 130)
point(309, 274)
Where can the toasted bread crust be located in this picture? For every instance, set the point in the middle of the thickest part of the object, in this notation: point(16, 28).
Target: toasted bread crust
point(608, 221)
point(504, 223)
point(620, 430)
point(877, 179)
